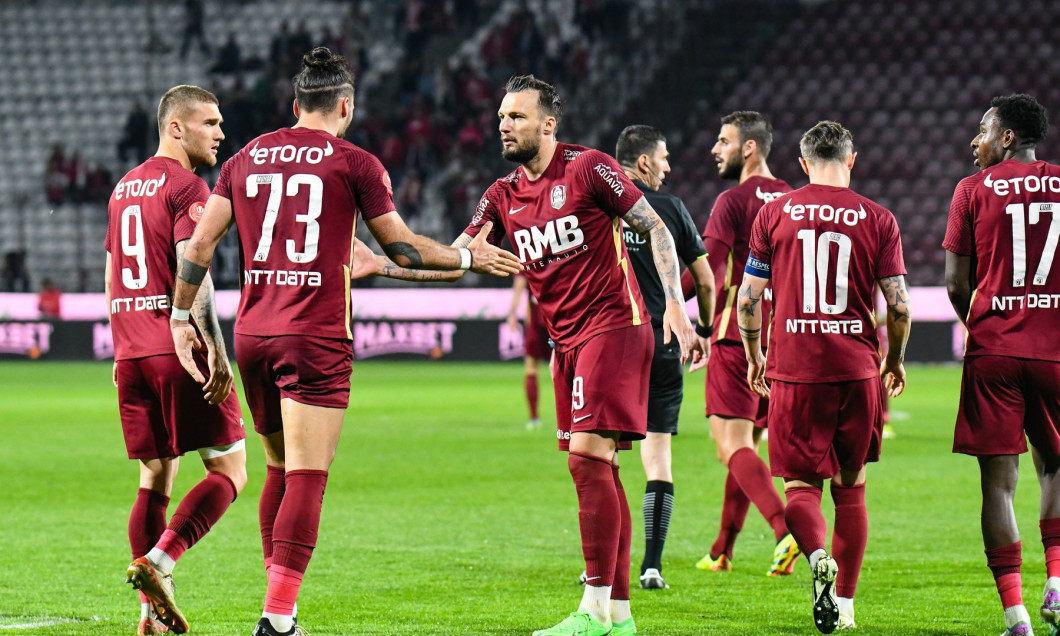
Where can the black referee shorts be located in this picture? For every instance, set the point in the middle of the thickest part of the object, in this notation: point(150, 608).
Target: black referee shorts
point(666, 387)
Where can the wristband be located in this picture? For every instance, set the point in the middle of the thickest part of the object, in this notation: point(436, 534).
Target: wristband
point(465, 258)
point(180, 314)
point(704, 331)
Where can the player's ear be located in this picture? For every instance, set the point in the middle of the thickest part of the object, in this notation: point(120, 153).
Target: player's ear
point(749, 148)
point(1008, 138)
point(295, 109)
point(176, 131)
point(550, 126)
point(805, 166)
point(850, 160)
point(345, 106)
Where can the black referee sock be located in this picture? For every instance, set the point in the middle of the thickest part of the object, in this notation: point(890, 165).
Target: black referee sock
point(658, 505)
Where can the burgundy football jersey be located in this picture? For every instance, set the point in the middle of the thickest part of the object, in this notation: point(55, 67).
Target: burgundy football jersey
point(296, 194)
point(152, 208)
point(825, 248)
point(1007, 218)
point(730, 223)
point(565, 229)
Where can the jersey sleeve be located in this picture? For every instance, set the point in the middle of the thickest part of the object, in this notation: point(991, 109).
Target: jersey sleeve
point(223, 187)
point(721, 225)
point(607, 183)
point(186, 201)
point(890, 260)
point(761, 254)
point(688, 241)
point(486, 211)
point(959, 225)
point(371, 185)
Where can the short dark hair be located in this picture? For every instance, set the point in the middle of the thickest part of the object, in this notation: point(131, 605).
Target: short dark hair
point(547, 98)
point(752, 125)
point(635, 141)
point(1023, 115)
point(178, 100)
point(827, 141)
point(323, 80)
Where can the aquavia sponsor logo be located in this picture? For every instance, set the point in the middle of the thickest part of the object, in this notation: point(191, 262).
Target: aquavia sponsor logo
point(610, 177)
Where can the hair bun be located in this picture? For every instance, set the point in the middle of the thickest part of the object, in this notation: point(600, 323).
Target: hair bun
point(320, 56)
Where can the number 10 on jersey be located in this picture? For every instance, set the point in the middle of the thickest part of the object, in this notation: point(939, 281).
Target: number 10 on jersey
point(816, 253)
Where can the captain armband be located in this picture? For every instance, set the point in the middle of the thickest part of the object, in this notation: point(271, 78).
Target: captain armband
point(756, 267)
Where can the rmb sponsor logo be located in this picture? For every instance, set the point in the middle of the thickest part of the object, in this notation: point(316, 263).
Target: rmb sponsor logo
point(766, 197)
point(102, 341)
point(289, 154)
point(558, 235)
point(375, 338)
point(31, 339)
point(610, 177)
point(825, 213)
point(138, 187)
point(559, 196)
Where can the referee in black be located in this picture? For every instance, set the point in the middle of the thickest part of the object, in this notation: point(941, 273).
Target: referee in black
point(641, 150)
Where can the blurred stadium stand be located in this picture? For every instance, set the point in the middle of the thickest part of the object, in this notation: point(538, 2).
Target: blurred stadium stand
point(910, 79)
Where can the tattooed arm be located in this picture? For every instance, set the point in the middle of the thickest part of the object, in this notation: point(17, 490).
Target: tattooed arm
point(368, 263)
point(749, 318)
point(899, 320)
point(644, 220)
point(408, 249)
point(204, 312)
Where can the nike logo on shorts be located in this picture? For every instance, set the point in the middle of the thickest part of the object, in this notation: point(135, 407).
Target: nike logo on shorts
point(578, 419)
point(514, 210)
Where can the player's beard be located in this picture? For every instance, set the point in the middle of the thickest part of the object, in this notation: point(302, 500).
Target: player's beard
point(201, 157)
point(523, 154)
point(732, 169)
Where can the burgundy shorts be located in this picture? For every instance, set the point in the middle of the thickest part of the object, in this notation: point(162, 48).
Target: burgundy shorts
point(307, 369)
point(535, 338)
point(163, 413)
point(602, 385)
point(815, 430)
point(728, 393)
point(1005, 401)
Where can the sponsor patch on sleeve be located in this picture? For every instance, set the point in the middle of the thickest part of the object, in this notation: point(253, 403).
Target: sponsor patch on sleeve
point(196, 210)
point(756, 267)
point(387, 183)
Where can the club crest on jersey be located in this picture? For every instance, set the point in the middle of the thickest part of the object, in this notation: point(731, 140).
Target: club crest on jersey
point(387, 183)
point(196, 210)
point(559, 196)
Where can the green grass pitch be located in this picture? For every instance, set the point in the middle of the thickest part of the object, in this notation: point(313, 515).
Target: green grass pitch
point(443, 515)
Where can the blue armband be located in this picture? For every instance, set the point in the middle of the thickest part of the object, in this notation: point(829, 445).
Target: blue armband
point(756, 267)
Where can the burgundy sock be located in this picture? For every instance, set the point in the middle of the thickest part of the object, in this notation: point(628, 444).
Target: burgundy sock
point(1051, 540)
point(753, 476)
point(733, 512)
point(531, 395)
point(850, 534)
point(198, 511)
point(599, 517)
point(294, 537)
point(805, 519)
point(147, 521)
point(620, 587)
point(268, 506)
point(1004, 562)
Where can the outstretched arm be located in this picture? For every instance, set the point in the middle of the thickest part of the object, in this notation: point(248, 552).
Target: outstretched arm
point(749, 317)
point(646, 222)
point(368, 263)
point(899, 320)
point(408, 249)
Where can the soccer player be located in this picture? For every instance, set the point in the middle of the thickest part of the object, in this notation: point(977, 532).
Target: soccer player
point(164, 412)
point(826, 248)
point(563, 208)
point(642, 153)
point(1000, 241)
point(294, 196)
point(737, 414)
point(535, 343)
